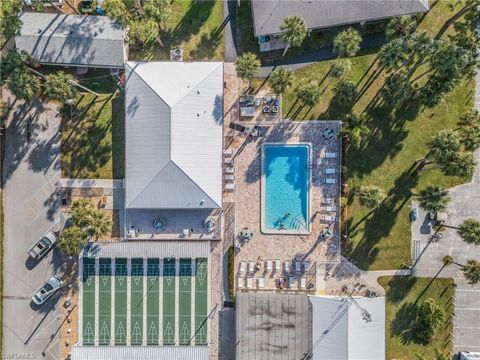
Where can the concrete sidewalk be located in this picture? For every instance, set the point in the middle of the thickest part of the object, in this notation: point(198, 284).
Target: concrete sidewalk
point(92, 183)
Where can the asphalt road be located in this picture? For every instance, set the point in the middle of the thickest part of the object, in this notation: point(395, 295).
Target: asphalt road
point(31, 178)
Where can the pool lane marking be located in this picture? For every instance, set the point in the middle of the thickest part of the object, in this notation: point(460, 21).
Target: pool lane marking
point(112, 302)
point(129, 289)
point(160, 302)
point(80, 299)
point(192, 302)
point(177, 297)
point(97, 299)
point(145, 300)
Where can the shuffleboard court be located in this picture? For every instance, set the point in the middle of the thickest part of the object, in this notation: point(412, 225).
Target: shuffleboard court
point(153, 298)
point(120, 301)
point(185, 301)
point(104, 305)
point(201, 303)
point(136, 302)
point(168, 301)
point(88, 301)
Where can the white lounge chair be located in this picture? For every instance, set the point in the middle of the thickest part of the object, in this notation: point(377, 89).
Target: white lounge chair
point(230, 187)
point(243, 266)
point(251, 267)
point(230, 170)
point(330, 181)
point(287, 266)
point(306, 265)
point(277, 265)
point(269, 265)
point(298, 266)
point(261, 282)
point(329, 171)
point(327, 218)
point(240, 282)
point(249, 283)
point(330, 155)
point(329, 200)
point(230, 177)
point(228, 161)
point(291, 281)
point(303, 282)
point(329, 208)
point(228, 152)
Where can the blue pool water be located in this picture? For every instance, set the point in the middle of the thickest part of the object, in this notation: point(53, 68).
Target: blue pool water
point(287, 186)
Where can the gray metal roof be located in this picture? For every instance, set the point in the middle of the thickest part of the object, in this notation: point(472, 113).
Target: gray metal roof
point(268, 15)
point(79, 40)
point(140, 353)
point(148, 249)
point(272, 326)
point(340, 331)
point(174, 140)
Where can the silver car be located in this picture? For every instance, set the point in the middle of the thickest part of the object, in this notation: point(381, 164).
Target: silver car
point(47, 290)
point(42, 245)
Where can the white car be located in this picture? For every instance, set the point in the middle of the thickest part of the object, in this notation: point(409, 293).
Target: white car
point(41, 247)
point(47, 3)
point(47, 290)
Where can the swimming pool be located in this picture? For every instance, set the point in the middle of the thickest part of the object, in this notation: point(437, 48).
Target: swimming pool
point(285, 188)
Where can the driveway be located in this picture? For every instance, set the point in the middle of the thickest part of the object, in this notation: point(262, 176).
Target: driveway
point(31, 178)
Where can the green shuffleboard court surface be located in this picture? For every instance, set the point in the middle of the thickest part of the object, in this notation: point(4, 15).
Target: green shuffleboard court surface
point(88, 301)
point(168, 301)
point(201, 303)
point(105, 304)
point(120, 322)
point(136, 302)
point(153, 301)
point(185, 301)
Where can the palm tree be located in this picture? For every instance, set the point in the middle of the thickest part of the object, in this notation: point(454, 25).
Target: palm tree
point(471, 271)
point(294, 30)
point(371, 196)
point(449, 60)
point(118, 11)
point(470, 137)
point(80, 210)
point(396, 90)
point(347, 43)
point(59, 86)
point(23, 84)
point(345, 94)
point(280, 79)
point(143, 31)
point(430, 317)
point(308, 92)
point(434, 199)
point(71, 240)
point(340, 68)
point(402, 26)
point(15, 60)
point(393, 54)
point(356, 129)
point(471, 118)
point(461, 164)
point(445, 144)
point(247, 67)
point(422, 44)
point(99, 224)
point(469, 231)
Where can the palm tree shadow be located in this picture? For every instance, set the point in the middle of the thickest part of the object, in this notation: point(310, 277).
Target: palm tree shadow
point(404, 322)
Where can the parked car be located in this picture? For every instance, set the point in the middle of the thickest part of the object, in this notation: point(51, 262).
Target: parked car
point(42, 245)
point(47, 290)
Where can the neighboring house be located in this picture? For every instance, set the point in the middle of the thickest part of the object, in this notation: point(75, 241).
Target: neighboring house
point(73, 40)
point(309, 327)
point(268, 15)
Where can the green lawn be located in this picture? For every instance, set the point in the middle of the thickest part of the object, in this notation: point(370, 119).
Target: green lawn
point(194, 26)
point(380, 239)
point(1, 269)
point(93, 134)
point(404, 296)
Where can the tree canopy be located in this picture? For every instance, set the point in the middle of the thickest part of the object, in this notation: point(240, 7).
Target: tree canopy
point(280, 79)
point(340, 68)
point(430, 317)
point(434, 199)
point(471, 271)
point(58, 86)
point(71, 241)
point(247, 66)
point(10, 18)
point(393, 54)
point(23, 84)
point(401, 26)
point(396, 89)
point(356, 129)
point(345, 94)
point(469, 231)
point(347, 43)
point(294, 30)
point(371, 196)
point(308, 92)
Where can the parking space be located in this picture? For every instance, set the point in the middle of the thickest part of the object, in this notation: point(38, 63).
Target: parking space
point(152, 301)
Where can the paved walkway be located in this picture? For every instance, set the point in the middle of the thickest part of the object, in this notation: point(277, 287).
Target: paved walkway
point(92, 183)
point(230, 34)
point(369, 41)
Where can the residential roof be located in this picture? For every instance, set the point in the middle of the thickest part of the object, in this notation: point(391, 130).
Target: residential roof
point(153, 249)
point(140, 352)
point(268, 15)
point(272, 326)
point(174, 141)
point(72, 40)
point(341, 329)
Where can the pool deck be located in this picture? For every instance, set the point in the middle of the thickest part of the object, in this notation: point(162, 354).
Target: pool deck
point(247, 199)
